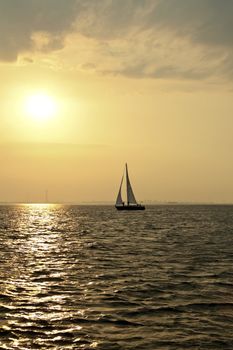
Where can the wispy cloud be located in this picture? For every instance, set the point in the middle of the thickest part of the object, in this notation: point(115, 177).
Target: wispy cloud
point(180, 39)
point(20, 20)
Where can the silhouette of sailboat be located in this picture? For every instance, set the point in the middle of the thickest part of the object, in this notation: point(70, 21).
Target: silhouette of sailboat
point(131, 203)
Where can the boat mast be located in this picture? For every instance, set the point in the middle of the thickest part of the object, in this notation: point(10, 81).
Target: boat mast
point(130, 195)
point(127, 181)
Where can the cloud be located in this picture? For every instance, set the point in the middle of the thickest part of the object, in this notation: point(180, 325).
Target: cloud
point(19, 20)
point(203, 21)
point(207, 22)
point(179, 39)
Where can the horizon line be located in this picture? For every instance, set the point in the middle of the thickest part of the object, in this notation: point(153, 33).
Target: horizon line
point(149, 203)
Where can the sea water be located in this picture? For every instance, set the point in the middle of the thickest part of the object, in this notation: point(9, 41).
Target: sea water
point(89, 277)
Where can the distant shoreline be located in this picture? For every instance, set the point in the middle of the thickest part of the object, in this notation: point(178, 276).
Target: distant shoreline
point(113, 203)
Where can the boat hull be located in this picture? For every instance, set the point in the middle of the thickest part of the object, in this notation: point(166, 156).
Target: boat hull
point(130, 207)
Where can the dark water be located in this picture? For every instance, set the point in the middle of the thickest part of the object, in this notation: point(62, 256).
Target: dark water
point(94, 278)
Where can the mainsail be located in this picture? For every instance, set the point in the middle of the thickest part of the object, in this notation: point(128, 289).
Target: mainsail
point(130, 195)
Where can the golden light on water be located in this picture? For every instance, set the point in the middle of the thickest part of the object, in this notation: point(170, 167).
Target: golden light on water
point(41, 106)
point(40, 218)
point(40, 205)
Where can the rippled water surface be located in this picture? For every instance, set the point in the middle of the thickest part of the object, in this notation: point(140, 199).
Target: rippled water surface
point(85, 277)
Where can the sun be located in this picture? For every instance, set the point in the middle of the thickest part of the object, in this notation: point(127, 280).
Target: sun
point(41, 106)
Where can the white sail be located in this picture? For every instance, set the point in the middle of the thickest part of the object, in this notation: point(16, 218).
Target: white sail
point(130, 195)
point(119, 200)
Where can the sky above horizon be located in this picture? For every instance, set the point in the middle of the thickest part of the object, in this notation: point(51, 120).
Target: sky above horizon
point(88, 85)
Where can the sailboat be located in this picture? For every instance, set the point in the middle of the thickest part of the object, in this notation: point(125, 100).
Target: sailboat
point(131, 203)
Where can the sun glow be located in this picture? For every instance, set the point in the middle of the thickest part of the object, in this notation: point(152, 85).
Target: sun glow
point(41, 106)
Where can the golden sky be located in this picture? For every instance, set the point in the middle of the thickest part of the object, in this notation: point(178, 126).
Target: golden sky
point(88, 85)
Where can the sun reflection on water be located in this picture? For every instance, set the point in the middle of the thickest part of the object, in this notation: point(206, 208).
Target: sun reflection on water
point(41, 211)
point(38, 276)
point(44, 286)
